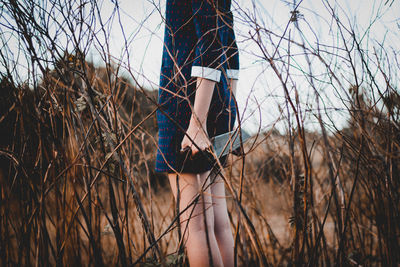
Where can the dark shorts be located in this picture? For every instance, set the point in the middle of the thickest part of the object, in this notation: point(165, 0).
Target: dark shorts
point(200, 162)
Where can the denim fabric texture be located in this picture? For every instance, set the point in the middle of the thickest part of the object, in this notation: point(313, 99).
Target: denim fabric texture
point(199, 41)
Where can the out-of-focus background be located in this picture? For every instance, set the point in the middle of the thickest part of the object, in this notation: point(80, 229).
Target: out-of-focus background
point(318, 90)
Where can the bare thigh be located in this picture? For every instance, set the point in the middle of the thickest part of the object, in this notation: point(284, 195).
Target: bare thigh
point(221, 218)
point(194, 191)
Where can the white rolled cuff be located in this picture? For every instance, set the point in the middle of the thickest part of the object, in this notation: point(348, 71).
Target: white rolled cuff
point(207, 73)
point(232, 74)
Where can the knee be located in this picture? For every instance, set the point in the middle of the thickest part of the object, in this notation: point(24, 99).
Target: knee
point(200, 227)
point(197, 233)
point(221, 227)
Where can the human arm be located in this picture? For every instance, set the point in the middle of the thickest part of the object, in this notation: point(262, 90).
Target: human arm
point(214, 40)
point(197, 129)
point(205, 68)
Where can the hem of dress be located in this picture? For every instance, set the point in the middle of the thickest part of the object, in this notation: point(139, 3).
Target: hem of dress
point(224, 162)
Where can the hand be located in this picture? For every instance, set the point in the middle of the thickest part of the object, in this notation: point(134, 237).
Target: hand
point(200, 137)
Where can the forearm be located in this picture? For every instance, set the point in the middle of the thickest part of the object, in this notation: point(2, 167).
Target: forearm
point(203, 97)
point(204, 92)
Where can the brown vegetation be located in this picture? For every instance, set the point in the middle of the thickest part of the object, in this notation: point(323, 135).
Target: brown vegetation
point(77, 152)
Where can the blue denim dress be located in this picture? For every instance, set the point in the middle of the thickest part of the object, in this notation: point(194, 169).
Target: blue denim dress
point(199, 41)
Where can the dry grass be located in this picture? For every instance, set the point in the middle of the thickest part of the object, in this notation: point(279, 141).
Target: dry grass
point(78, 144)
point(62, 191)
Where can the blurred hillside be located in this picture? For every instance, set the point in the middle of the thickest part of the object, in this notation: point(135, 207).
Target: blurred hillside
point(76, 171)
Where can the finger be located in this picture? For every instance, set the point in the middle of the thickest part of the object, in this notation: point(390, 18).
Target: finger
point(209, 148)
point(194, 150)
point(185, 149)
point(202, 147)
point(184, 143)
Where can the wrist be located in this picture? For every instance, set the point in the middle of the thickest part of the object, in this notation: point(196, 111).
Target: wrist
point(198, 122)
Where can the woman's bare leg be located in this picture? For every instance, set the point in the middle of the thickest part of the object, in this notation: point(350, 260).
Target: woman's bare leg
point(222, 228)
point(194, 228)
point(192, 220)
